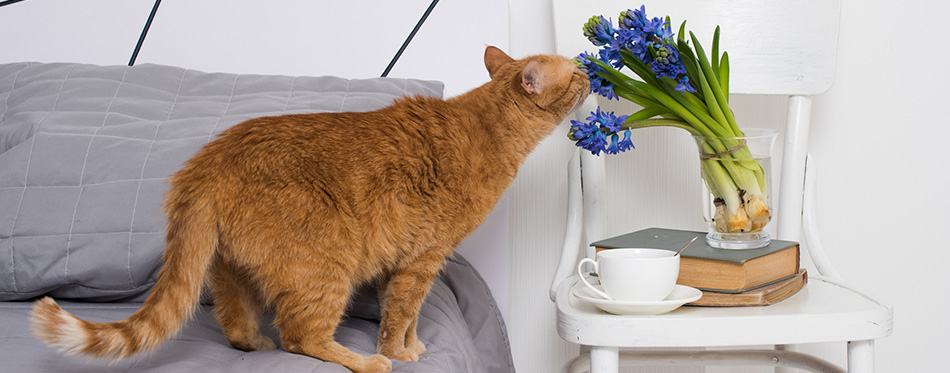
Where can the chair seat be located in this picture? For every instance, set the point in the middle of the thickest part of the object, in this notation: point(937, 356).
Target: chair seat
point(806, 317)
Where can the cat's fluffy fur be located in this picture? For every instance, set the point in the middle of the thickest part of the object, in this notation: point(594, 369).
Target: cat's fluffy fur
point(295, 212)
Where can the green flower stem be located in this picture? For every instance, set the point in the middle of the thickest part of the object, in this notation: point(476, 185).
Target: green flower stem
point(711, 184)
point(699, 128)
point(715, 54)
point(638, 98)
point(744, 178)
point(715, 86)
point(724, 75)
point(763, 183)
point(746, 172)
point(668, 101)
point(720, 66)
point(680, 110)
point(717, 179)
point(695, 70)
point(638, 67)
point(711, 103)
point(674, 101)
point(650, 112)
point(695, 99)
point(698, 108)
point(689, 102)
point(689, 62)
point(646, 123)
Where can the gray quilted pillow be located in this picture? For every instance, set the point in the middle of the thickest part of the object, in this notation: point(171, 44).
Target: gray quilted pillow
point(85, 152)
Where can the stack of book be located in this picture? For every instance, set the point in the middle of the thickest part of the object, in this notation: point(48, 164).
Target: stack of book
point(727, 278)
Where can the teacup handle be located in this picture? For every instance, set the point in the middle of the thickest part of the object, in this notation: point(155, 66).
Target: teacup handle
point(580, 274)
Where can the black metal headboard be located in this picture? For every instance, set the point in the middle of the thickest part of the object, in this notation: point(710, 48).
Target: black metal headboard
point(8, 2)
point(148, 23)
point(151, 16)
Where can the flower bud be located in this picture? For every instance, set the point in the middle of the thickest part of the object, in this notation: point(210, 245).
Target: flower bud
point(599, 30)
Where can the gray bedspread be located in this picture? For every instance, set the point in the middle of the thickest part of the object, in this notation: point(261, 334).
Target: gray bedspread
point(459, 323)
point(85, 152)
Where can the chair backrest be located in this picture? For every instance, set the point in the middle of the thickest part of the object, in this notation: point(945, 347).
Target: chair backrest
point(781, 47)
point(784, 47)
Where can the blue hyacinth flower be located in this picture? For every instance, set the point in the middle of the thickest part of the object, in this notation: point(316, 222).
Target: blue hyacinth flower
point(598, 84)
point(593, 135)
point(599, 30)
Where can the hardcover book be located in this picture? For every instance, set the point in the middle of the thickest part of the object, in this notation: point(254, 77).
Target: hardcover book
point(716, 270)
point(763, 296)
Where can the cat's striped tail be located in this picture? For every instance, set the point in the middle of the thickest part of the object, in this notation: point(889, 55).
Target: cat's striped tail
point(191, 241)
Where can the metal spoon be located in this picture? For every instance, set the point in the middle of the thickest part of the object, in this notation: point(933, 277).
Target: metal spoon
point(687, 245)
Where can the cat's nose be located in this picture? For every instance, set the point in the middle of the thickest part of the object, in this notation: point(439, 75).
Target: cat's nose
point(578, 74)
point(581, 76)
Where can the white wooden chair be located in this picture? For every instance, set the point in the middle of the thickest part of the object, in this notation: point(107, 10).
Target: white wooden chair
point(794, 55)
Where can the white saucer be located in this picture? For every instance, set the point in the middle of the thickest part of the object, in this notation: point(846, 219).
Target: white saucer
point(680, 296)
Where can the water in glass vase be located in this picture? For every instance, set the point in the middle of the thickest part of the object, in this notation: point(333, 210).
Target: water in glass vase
point(736, 175)
point(741, 227)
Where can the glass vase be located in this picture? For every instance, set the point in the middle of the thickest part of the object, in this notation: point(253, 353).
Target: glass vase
point(737, 173)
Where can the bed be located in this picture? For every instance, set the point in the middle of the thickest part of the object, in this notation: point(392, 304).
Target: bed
point(85, 152)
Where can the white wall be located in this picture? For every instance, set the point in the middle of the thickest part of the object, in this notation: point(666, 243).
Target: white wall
point(354, 39)
point(878, 137)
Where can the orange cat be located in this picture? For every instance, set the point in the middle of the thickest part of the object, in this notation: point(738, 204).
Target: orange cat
point(293, 213)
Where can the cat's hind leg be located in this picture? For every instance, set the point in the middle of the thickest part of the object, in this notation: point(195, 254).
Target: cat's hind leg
point(310, 300)
point(238, 308)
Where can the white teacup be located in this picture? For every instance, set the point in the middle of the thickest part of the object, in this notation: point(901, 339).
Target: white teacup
point(634, 275)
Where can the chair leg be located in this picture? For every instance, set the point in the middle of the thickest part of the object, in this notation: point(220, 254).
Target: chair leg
point(604, 359)
point(792, 348)
point(861, 356)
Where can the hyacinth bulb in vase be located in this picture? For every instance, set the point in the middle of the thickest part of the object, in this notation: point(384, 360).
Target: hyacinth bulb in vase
point(678, 85)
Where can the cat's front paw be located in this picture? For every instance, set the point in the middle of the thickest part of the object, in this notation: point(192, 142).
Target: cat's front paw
point(404, 355)
point(401, 352)
point(261, 343)
point(265, 343)
point(375, 364)
point(417, 346)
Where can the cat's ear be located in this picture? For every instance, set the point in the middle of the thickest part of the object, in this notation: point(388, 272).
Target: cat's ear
point(531, 78)
point(495, 59)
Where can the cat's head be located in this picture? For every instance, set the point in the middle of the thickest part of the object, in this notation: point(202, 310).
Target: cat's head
point(547, 83)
